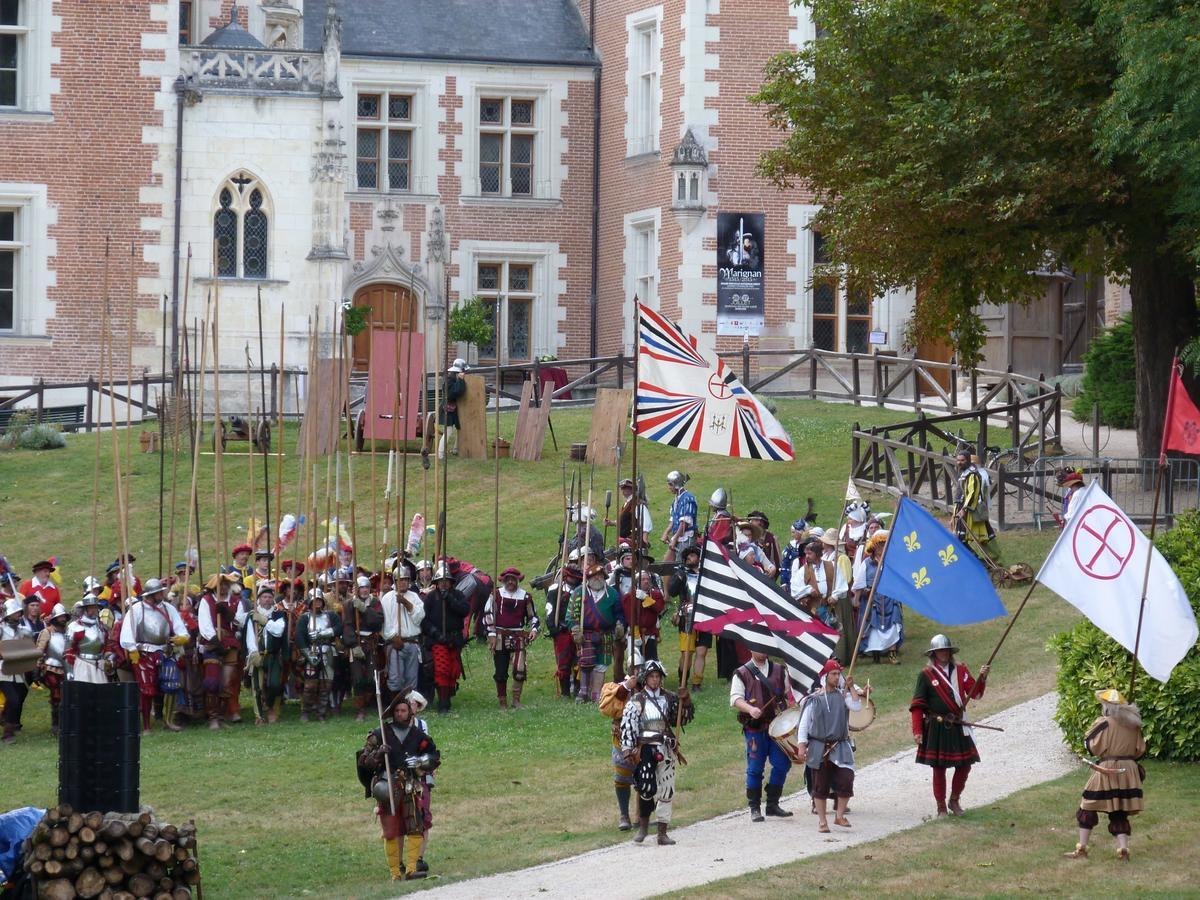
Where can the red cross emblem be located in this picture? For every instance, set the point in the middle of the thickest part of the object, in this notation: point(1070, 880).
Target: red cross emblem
point(718, 388)
point(1103, 543)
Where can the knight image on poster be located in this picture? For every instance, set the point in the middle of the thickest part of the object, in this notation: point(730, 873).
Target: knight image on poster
point(740, 294)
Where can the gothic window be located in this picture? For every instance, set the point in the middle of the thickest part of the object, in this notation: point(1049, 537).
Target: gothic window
point(241, 228)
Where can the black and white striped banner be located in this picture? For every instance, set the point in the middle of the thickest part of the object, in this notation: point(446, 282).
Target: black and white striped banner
point(735, 599)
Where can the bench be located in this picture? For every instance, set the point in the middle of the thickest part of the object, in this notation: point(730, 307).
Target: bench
point(69, 417)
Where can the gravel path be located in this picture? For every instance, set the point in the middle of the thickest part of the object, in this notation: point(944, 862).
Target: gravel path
point(890, 795)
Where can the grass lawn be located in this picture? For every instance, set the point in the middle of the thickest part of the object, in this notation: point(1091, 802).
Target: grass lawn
point(1011, 847)
point(279, 809)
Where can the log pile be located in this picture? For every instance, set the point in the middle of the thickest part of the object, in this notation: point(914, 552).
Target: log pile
point(113, 856)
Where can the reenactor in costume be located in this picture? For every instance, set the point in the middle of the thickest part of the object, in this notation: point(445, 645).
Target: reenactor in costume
point(597, 620)
point(339, 598)
point(768, 542)
point(943, 742)
point(512, 624)
point(117, 572)
point(825, 745)
point(86, 639)
point(759, 692)
point(971, 504)
point(218, 642)
point(642, 607)
point(362, 634)
point(559, 627)
point(261, 571)
point(586, 537)
point(316, 634)
point(819, 585)
point(649, 742)
point(41, 584)
point(630, 516)
point(12, 687)
point(392, 766)
point(241, 562)
point(613, 697)
point(423, 583)
point(843, 601)
point(681, 532)
point(446, 612)
point(403, 613)
point(455, 388)
point(792, 552)
point(150, 627)
point(1115, 787)
point(682, 586)
point(52, 643)
point(266, 649)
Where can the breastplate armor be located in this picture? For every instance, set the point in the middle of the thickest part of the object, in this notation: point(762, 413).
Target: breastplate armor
point(92, 642)
point(155, 629)
point(56, 649)
point(653, 718)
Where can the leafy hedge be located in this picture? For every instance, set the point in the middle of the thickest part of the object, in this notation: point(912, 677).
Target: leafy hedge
point(1108, 377)
point(1089, 661)
point(23, 434)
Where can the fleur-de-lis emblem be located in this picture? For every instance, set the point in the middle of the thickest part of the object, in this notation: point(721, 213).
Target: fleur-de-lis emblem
point(921, 578)
point(948, 555)
point(911, 543)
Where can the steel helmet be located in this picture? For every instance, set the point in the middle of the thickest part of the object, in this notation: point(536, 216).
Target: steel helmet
point(676, 479)
point(381, 793)
point(443, 572)
point(153, 586)
point(719, 499)
point(423, 564)
point(316, 594)
point(59, 612)
point(940, 642)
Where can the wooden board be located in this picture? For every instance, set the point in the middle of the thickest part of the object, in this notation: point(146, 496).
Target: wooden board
point(610, 423)
point(472, 419)
point(530, 433)
point(387, 381)
point(324, 414)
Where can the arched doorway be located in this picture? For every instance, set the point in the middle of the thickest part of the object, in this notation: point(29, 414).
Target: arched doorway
point(390, 304)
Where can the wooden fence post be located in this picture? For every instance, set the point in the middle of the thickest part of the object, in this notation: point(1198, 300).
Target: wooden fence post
point(145, 393)
point(1000, 514)
point(812, 374)
point(87, 423)
point(916, 372)
point(620, 369)
point(855, 450)
point(953, 384)
point(974, 388)
point(876, 372)
point(41, 398)
point(855, 382)
point(746, 361)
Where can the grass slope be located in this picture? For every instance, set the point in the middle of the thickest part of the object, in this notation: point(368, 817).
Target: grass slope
point(279, 809)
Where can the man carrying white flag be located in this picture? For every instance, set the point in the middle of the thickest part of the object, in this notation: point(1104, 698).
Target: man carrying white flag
point(1098, 564)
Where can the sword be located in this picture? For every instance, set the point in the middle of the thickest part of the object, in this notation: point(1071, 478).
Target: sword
point(951, 720)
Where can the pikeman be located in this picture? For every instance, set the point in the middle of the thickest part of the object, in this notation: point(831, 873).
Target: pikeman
point(315, 635)
point(266, 643)
point(241, 562)
point(446, 611)
point(613, 697)
point(816, 582)
point(262, 570)
point(12, 687)
point(943, 741)
point(631, 515)
point(682, 587)
point(596, 619)
point(558, 626)
point(758, 690)
point(363, 621)
point(642, 607)
point(649, 742)
point(86, 638)
point(392, 766)
point(681, 532)
point(150, 626)
point(218, 642)
point(512, 624)
point(824, 738)
point(52, 642)
point(403, 613)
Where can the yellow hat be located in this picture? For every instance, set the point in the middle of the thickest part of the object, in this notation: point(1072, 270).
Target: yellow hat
point(1112, 695)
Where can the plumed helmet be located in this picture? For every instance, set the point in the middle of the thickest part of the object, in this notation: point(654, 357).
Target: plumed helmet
point(719, 499)
point(676, 479)
point(652, 665)
point(153, 586)
point(940, 642)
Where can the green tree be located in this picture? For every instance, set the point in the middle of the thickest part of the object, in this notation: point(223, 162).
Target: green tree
point(471, 322)
point(961, 147)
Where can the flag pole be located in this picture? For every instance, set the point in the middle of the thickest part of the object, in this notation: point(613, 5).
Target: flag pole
point(637, 500)
point(865, 608)
point(686, 668)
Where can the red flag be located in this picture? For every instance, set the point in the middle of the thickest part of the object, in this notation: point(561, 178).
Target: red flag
point(1181, 431)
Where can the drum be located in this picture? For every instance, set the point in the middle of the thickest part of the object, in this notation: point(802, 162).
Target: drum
point(783, 731)
point(863, 716)
point(18, 656)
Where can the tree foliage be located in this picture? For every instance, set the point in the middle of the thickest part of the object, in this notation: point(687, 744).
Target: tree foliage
point(471, 322)
point(1108, 377)
point(962, 147)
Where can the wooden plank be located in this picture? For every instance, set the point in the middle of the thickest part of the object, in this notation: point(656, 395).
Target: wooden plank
point(609, 423)
point(323, 412)
point(530, 435)
point(472, 419)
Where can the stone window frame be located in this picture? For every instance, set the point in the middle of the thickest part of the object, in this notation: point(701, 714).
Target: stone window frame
point(508, 130)
point(241, 206)
point(32, 247)
point(384, 125)
point(505, 296)
point(34, 84)
point(547, 123)
point(643, 81)
point(548, 288)
point(642, 230)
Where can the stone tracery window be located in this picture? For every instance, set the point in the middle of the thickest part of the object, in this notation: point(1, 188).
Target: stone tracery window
point(241, 228)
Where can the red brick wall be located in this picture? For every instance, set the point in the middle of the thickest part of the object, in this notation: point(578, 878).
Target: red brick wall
point(92, 159)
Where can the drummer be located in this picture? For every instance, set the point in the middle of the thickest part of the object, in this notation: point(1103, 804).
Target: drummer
point(759, 692)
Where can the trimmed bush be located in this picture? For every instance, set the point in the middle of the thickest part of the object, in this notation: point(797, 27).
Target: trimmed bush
point(22, 434)
point(1108, 377)
point(1089, 661)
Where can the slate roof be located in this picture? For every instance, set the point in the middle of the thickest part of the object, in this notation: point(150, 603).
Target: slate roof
point(232, 36)
point(547, 32)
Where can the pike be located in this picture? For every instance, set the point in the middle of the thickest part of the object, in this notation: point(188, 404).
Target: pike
point(104, 329)
point(265, 419)
point(387, 761)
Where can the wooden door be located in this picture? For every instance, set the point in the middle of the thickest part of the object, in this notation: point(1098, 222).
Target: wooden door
point(389, 303)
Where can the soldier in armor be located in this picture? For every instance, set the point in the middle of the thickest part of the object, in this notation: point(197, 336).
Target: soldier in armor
point(266, 646)
point(446, 611)
point(971, 505)
point(392, 767)
point(824, 738)
point(681, 532)
point(682, 586)
point(52, 642)
point(218, 642)
point(341, 602)
point(12, 687)
point(559, 627)
point(596, 619)
point(613, 697)
point(150, 626)
point(362, 635)
point(403, 613)
point(316, 633)
point(512, 624)
point(423, 583)
point(649, 743)
point(86, 639)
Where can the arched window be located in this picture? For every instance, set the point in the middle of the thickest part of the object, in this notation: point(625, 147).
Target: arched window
point(241, 228)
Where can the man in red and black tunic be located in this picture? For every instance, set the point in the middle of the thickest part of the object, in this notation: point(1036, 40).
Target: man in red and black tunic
point(512, 624)
point(943, 742)
point(558, 625)
point(446, 611)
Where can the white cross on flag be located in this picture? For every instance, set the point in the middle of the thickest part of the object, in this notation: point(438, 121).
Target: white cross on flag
point(1097, 565)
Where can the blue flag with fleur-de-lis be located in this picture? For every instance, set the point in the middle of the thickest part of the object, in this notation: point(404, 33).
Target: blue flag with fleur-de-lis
point(928, 569)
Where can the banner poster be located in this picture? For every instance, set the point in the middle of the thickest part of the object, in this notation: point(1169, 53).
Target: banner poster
point(741, 301)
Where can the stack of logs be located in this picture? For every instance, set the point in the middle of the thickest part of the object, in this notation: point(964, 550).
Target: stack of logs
point(112, 856)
